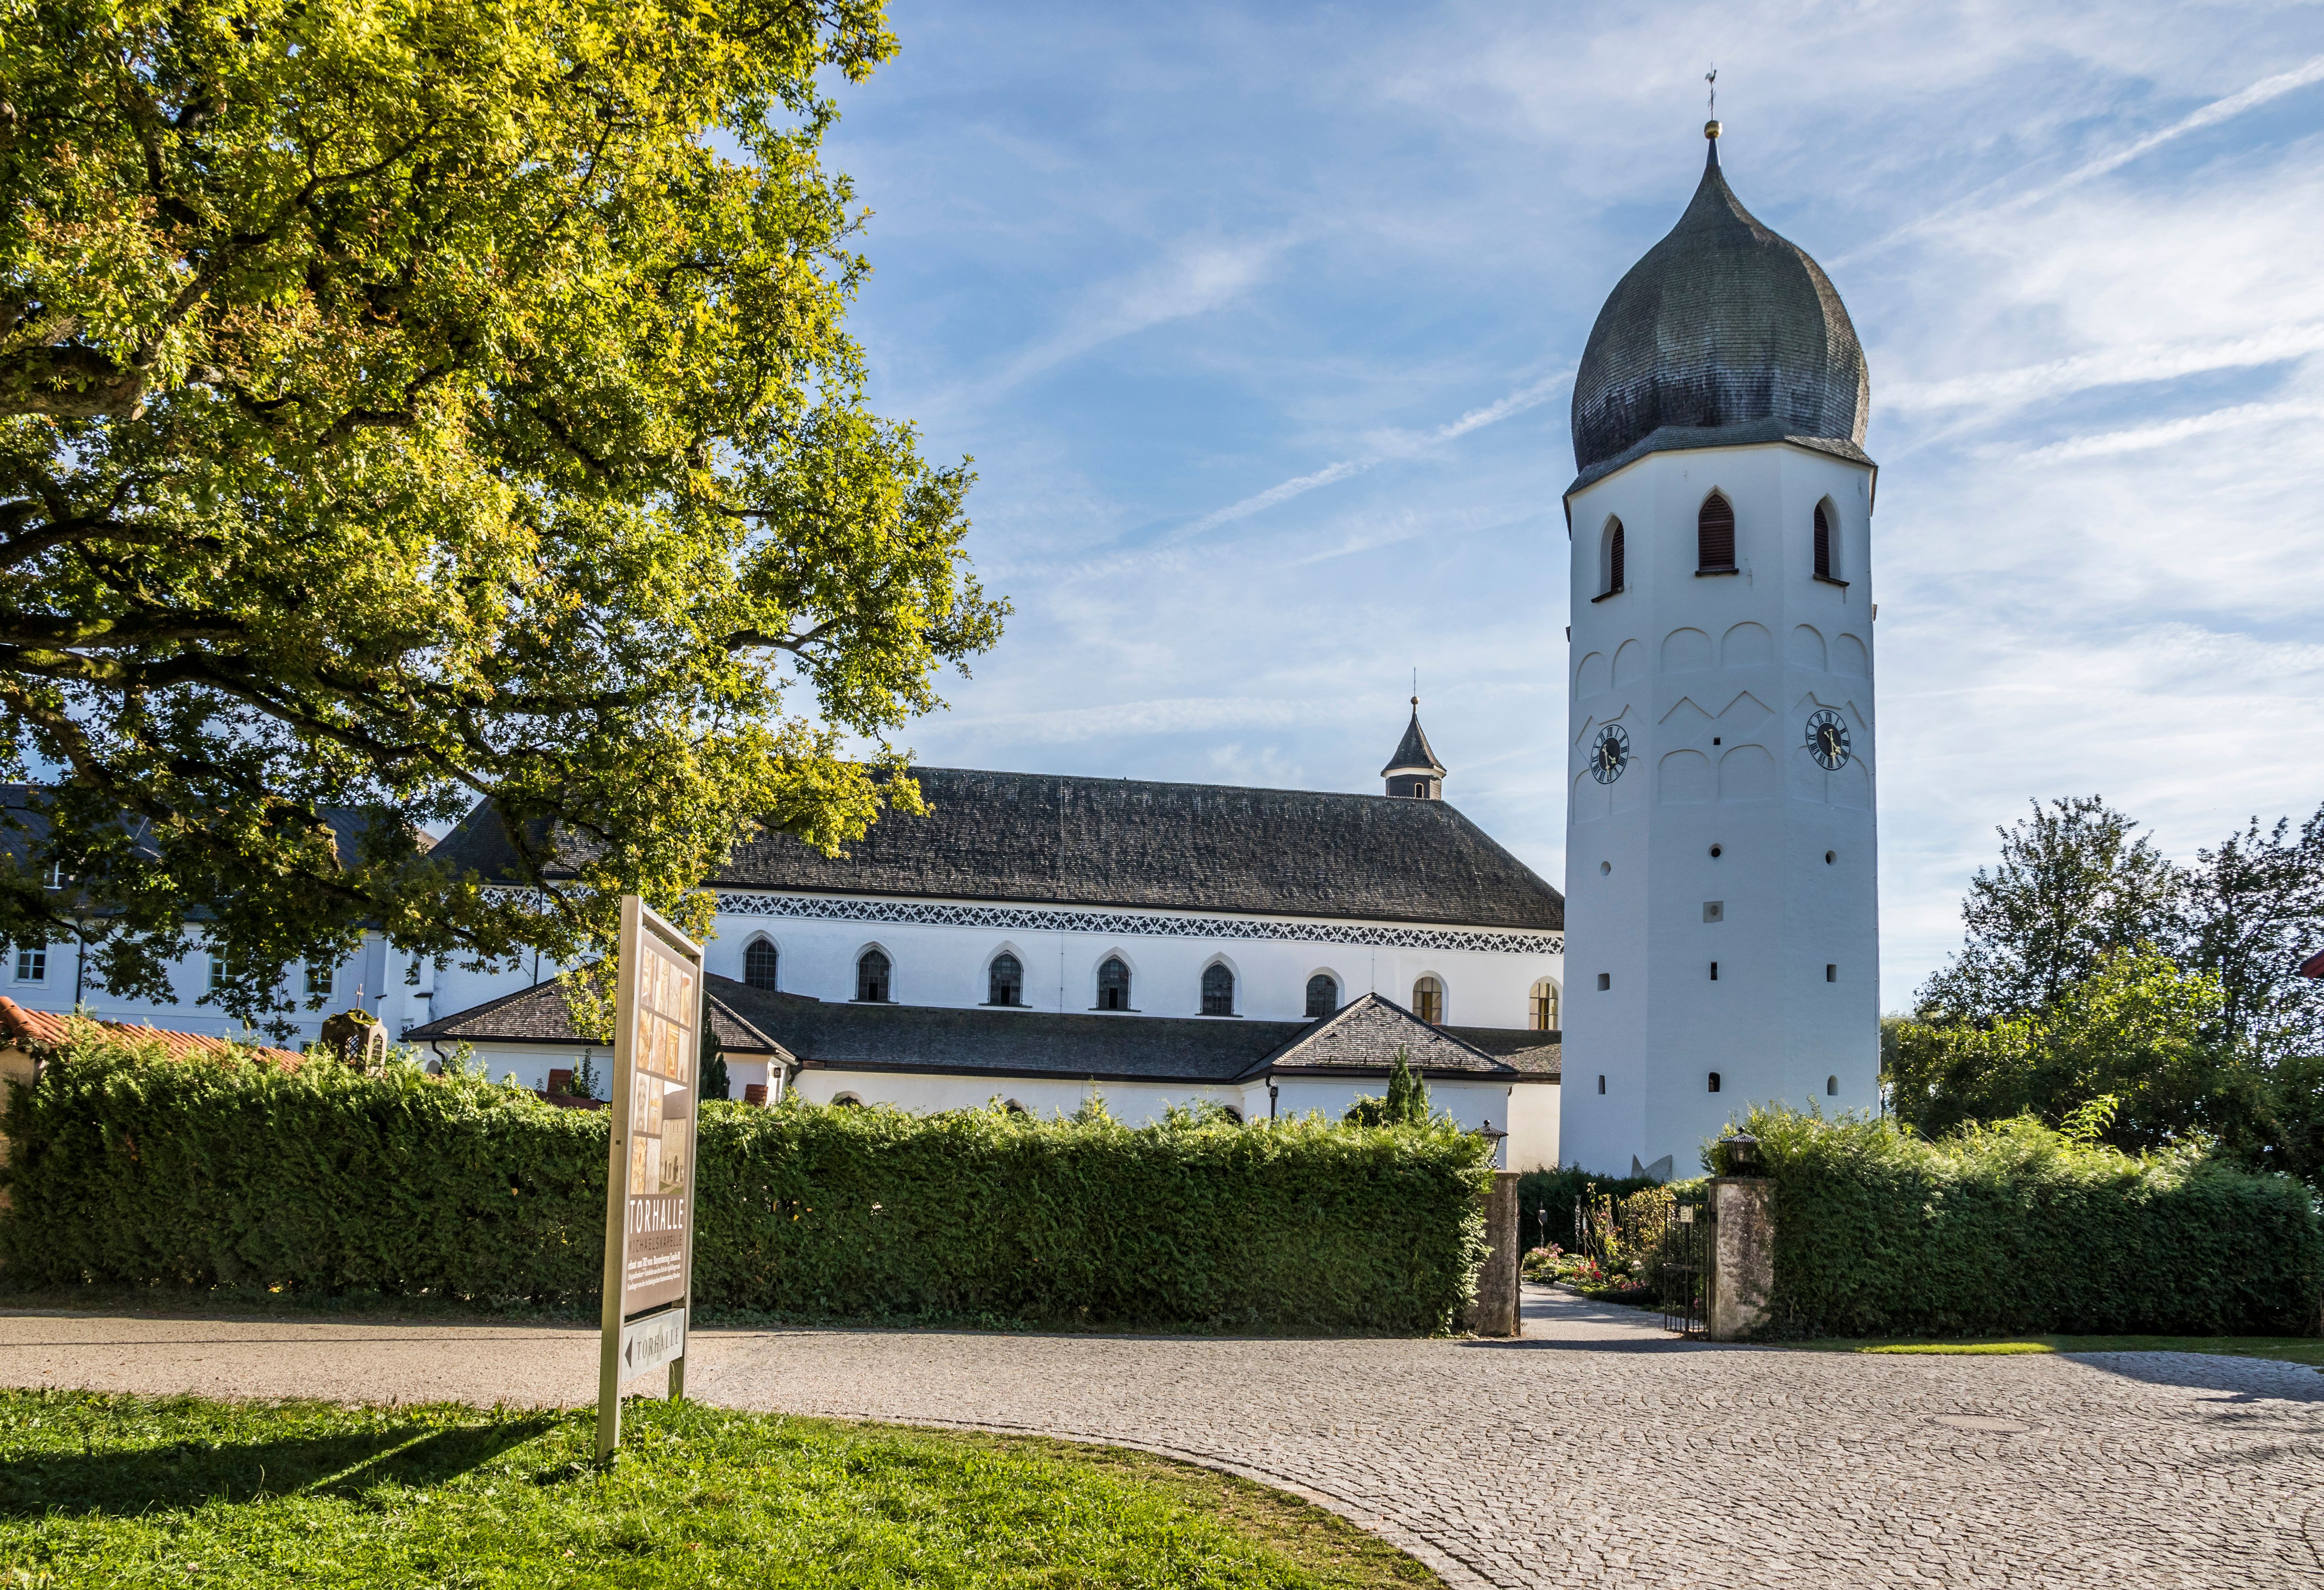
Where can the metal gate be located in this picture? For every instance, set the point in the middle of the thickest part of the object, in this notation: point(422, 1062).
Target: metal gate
point(1685, 1267)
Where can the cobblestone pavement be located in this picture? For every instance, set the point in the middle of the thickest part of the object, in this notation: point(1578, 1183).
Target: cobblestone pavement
point(1593, 1451)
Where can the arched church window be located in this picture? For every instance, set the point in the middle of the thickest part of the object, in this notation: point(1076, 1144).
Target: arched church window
point(1114, 985)
point(871, 978)
point(758, 964)
point(1428, 1000)
point(1323, 996)
point(1831, 1087)
point(1714, 535)
point(1822, 543)
point(1543, 1014)
point(1610, 574)
point(1218, 991)
point(1006, 984)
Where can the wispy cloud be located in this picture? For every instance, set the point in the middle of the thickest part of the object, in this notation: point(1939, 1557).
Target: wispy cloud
point(1196, 279)
point(1986, 197)
point(1396, 445)
point(2136, 438)
point(1166, 715)
point(2101, 367)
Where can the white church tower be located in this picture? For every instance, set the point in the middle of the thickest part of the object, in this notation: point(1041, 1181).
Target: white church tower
point(1722, 914)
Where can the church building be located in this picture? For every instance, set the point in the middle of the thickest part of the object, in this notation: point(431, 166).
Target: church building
point(1039, 938)
point(1720, 855)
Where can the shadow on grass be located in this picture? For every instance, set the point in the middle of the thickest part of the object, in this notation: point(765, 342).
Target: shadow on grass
point(188, 1473)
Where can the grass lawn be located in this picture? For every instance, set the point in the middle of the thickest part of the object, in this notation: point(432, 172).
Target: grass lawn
point(126, 1491)
point(2294, 1349)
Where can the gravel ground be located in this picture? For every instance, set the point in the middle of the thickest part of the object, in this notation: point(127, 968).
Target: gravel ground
point(1595, 1450)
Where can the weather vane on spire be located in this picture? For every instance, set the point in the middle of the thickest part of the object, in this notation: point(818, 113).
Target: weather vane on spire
point(1711, 77)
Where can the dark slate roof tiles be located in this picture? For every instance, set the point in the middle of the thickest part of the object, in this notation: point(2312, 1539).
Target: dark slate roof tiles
point(1723, 334)
point(1045, 838)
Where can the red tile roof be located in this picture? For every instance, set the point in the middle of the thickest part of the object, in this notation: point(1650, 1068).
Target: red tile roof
point(45, 1029)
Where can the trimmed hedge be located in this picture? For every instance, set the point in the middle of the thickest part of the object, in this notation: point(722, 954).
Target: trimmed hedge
point(2019, 1227)
point(131, 1169)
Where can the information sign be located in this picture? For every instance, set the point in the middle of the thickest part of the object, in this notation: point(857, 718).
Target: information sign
point(650, 1168)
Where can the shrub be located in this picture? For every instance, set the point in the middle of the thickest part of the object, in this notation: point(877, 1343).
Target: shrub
point(131, 1169)
point(1557, 1191)
point(2018, 1226)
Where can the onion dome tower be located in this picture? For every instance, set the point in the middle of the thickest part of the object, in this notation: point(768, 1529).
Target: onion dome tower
point(1722, 910)
point(1414, 773)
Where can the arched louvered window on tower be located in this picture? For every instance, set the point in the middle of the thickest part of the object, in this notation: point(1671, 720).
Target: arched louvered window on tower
point(1714, 536)
point(1114, 985)
point(1007, 982)
point(871, 978)
point(1322, 995)
point(758, 964)
point(1822, 543)
point(1610, 574)
point(1218, 991)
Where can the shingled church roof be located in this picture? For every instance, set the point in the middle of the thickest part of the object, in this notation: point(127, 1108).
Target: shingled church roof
point(1055, 839)
point(1361, 1038)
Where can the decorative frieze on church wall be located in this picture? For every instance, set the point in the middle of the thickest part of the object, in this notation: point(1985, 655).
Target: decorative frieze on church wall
point(1114, 924)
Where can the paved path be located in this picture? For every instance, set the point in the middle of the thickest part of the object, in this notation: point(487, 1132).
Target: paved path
point(1594, 1451)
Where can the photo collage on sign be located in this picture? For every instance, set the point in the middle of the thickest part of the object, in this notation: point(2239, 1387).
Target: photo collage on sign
point(662, 1075)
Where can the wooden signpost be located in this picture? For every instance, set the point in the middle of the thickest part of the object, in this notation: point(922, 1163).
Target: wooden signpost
point(650, 1171)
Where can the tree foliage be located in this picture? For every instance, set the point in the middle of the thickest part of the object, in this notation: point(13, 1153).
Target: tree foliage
point(1407, 1104)
point(2097, 968)
point(2072, 886)
point(400, 405)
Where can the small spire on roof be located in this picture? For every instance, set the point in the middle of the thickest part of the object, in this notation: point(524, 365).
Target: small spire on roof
point(1414, 773)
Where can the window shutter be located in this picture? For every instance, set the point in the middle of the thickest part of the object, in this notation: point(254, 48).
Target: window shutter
point(1614, 562)
point(1822, 544)
point(1715, 534)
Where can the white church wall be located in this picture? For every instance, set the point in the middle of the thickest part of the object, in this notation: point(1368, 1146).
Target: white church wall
point(1136, 1104)
point(1740, 662)
point(1532, 1126)
point(372, 976)
point(947, 965)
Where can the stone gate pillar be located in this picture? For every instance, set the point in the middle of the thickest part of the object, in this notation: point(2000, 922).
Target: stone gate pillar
point(1742, 1256)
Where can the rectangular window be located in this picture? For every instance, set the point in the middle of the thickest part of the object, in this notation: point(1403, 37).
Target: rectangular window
point(217, 973)
point(319, 979)
point(1605, 980)
point(32, 966)
point(56, 879)
point(1714, 971)
point(1832, 974)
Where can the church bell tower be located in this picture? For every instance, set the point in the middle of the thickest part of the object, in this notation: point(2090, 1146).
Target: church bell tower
point(1722, 914)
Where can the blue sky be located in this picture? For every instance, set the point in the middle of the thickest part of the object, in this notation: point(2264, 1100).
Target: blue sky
point(1261, 322)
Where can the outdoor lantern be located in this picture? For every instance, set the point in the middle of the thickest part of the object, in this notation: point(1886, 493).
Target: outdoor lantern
point(1742, 1155)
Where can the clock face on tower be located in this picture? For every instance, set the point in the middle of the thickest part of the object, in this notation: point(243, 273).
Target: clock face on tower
point(1828, 740)
point(1610, 755)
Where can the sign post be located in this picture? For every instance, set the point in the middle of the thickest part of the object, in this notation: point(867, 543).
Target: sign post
point(650, 1171)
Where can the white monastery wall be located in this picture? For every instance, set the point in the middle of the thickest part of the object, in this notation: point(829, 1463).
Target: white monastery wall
point(947, 963)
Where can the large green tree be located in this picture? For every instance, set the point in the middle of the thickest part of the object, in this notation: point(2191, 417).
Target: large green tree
point(2074, 883)
point(404, 403)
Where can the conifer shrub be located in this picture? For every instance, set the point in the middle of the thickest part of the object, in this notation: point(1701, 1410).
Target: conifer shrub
point(2020, 1227)
point(128, 1168)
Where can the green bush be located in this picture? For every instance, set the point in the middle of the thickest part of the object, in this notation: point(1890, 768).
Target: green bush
point(131, 1169)
point(2017, 1227)
point(1557, 1192)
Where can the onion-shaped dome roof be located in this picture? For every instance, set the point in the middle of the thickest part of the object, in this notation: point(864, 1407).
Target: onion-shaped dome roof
point(1723, 334)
